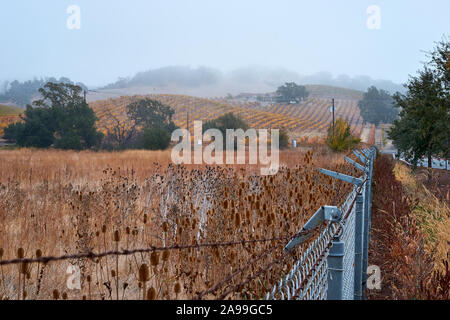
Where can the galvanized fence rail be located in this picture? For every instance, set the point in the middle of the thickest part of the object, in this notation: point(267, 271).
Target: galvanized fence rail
point(334, 265)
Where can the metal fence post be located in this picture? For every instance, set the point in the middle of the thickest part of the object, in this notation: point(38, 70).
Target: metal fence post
point(358, 246)
point(372, 159)
point(335, 269)
point(367, 220)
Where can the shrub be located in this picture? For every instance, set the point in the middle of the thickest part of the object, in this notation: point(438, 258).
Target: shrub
point(340, 139)
point(155, 139)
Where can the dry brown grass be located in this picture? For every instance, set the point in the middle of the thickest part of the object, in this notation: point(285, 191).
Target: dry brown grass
point(433, 214)
point(58, 202)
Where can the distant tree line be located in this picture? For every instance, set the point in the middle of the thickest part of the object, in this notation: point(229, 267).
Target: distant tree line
point(22, 93)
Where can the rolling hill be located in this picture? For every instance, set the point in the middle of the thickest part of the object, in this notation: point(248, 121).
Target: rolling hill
point(305, 121)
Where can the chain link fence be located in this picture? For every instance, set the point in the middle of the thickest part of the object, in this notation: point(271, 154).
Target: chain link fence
point(333, 266)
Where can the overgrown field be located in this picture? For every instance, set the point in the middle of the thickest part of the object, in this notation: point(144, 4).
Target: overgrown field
point(60, 202)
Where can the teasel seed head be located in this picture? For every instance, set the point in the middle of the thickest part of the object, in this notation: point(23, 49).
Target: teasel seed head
point(154, 259)
point(177, 288)
point(116, 236)
point(20, 253)
point(55, 294)
point(151, 294)
point(165, 255)
point(144, 273)
point(238, 220)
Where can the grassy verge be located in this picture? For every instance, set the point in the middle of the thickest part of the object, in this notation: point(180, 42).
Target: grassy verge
point(433, 214)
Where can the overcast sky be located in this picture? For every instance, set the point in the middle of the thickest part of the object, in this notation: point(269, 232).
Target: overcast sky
point(120, 38)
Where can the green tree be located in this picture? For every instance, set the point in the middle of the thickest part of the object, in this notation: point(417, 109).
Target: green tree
point(155, 139)
point(420, 130)
point(149, 113)
point(36, 130)
point(340, 139)
point(61, 117)
point(423, 125)
point(377, 106)
point(148, 118)
point(290, 91)
point(227, 121)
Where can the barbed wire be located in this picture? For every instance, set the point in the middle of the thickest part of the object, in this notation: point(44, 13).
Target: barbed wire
point(123, 252)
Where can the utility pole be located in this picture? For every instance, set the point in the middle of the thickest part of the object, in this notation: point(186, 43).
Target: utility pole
point(187, 120)
point(333, 113)
point(84, 92)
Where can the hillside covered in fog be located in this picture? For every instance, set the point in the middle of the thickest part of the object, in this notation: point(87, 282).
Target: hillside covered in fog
point(255, 78)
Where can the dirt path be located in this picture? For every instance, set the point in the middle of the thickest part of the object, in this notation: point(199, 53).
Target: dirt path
point(365, 134)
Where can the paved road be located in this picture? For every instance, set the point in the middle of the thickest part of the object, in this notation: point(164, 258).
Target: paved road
point(365, 134)
point(435, 162)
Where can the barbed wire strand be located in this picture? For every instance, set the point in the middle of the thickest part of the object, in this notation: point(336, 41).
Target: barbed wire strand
point(92, 255)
